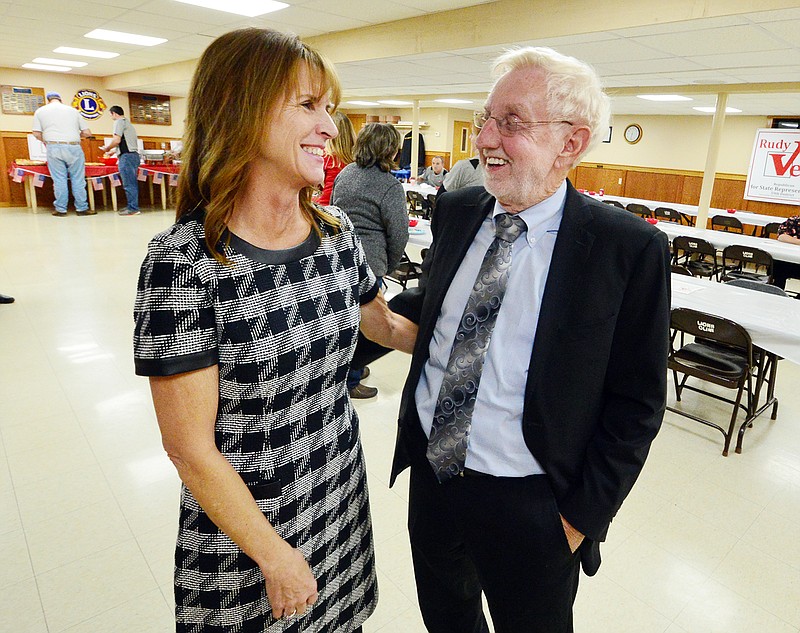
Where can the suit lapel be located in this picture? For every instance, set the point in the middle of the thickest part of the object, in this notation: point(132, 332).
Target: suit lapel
point(570, 257)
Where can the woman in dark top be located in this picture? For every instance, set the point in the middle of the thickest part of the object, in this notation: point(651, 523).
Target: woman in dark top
point(247, 313)
point(376, 205)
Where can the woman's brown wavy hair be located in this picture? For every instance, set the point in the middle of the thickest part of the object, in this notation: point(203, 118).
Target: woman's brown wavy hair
point(241, 78)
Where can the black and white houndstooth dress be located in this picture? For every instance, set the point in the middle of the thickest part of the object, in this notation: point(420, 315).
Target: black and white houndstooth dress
point(282, 325)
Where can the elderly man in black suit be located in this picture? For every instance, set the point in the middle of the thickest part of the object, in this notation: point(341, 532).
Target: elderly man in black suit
point(538, 381)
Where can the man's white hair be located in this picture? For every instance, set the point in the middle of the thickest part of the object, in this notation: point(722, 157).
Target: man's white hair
point(573, 89)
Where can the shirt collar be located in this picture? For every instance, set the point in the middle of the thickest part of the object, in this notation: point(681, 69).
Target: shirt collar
point(542, 217)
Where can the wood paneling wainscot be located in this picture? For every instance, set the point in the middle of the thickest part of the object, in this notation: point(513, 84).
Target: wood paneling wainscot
point(668, 185)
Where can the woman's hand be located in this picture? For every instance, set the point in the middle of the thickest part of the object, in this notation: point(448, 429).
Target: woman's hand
point(186, 406)
point(291, 587)
point(380, 324)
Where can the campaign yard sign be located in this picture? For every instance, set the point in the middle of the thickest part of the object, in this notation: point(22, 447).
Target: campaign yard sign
point(774, 174)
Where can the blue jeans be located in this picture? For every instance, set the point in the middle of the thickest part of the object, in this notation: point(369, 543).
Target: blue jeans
point(354, 377)
point(128, 172)
point(67, 162)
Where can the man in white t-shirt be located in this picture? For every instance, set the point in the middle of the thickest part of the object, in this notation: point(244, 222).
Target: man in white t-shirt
point(61, 128)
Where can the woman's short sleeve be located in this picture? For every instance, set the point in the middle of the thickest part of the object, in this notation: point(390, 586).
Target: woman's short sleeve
point(175, 328)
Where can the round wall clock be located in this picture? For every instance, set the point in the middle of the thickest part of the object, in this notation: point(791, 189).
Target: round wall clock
point(633, 133)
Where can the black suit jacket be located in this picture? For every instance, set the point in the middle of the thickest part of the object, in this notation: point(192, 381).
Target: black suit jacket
point(596, 385)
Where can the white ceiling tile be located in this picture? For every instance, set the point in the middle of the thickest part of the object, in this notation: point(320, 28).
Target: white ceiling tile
point(433, 6)
point(368, 12)
point(179, 11)
point(55, 12)
point(457, 64)
point(620, 81)
point(735, 39)
point(635, 67)
point(684, 26)
point(779, 15)
point(755, 47)
point(734, 61)
point(143, 21)
point(768, 75)
point(301, 19)
point(583, 38)
point(610, 51)
point(786, 30)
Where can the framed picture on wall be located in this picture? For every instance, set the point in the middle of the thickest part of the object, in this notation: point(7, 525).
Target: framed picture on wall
point(152, 109)
point(607, 139)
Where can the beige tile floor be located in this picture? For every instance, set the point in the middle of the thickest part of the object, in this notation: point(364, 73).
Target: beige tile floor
point(88, 500)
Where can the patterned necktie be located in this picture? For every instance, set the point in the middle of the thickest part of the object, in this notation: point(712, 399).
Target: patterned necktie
point(452, 418)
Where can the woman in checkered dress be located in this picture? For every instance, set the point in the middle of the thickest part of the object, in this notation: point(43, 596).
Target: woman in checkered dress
point(247, 314)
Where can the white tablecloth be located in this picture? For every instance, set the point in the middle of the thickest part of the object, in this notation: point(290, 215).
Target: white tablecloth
point(773, 322)
point(720, 239)
point(745, 217)
point(420, 234)
point(424, 188)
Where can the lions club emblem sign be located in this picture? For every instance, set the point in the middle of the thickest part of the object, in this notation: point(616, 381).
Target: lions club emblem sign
point(88, 103)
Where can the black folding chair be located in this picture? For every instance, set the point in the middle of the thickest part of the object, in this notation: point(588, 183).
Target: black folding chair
point(406, 271)
point(416, 202)
point(770, 230)
point(722, 354)
point(698, 256)
point(640, 210)
point(726, 223)
point(431, 198)
point(667, 214)
point(681, 270)
point(745, 262)
point(615, 203)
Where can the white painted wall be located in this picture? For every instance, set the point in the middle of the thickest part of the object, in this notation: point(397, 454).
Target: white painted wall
point(680, 142)
point(67, 84)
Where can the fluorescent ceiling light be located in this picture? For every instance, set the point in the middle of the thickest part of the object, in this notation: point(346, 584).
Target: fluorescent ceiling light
point(125, 38)
point(58, 62)
point(55, 69)
point(363, 103)
point(712, 109)
point(394, 103)
point(452, 100)
point(664, 98)
point(84, 52)
point(249, 8)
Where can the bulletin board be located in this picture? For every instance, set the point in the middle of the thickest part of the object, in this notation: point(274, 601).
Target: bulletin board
point(21, 99)
point(149, 109)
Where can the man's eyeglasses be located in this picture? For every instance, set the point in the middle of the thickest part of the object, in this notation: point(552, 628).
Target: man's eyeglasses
point(510, 125)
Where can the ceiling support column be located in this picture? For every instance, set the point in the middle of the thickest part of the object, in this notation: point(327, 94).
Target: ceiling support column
point(415, 140)
point(710, 171)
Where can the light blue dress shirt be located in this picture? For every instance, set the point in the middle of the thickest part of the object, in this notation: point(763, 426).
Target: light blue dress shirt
point(496, 445)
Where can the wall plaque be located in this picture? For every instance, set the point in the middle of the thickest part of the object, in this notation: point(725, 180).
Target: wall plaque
point(149, 109)
point(21, 99)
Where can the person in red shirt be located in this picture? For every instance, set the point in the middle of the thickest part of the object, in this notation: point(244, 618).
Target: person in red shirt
point(338, 154)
